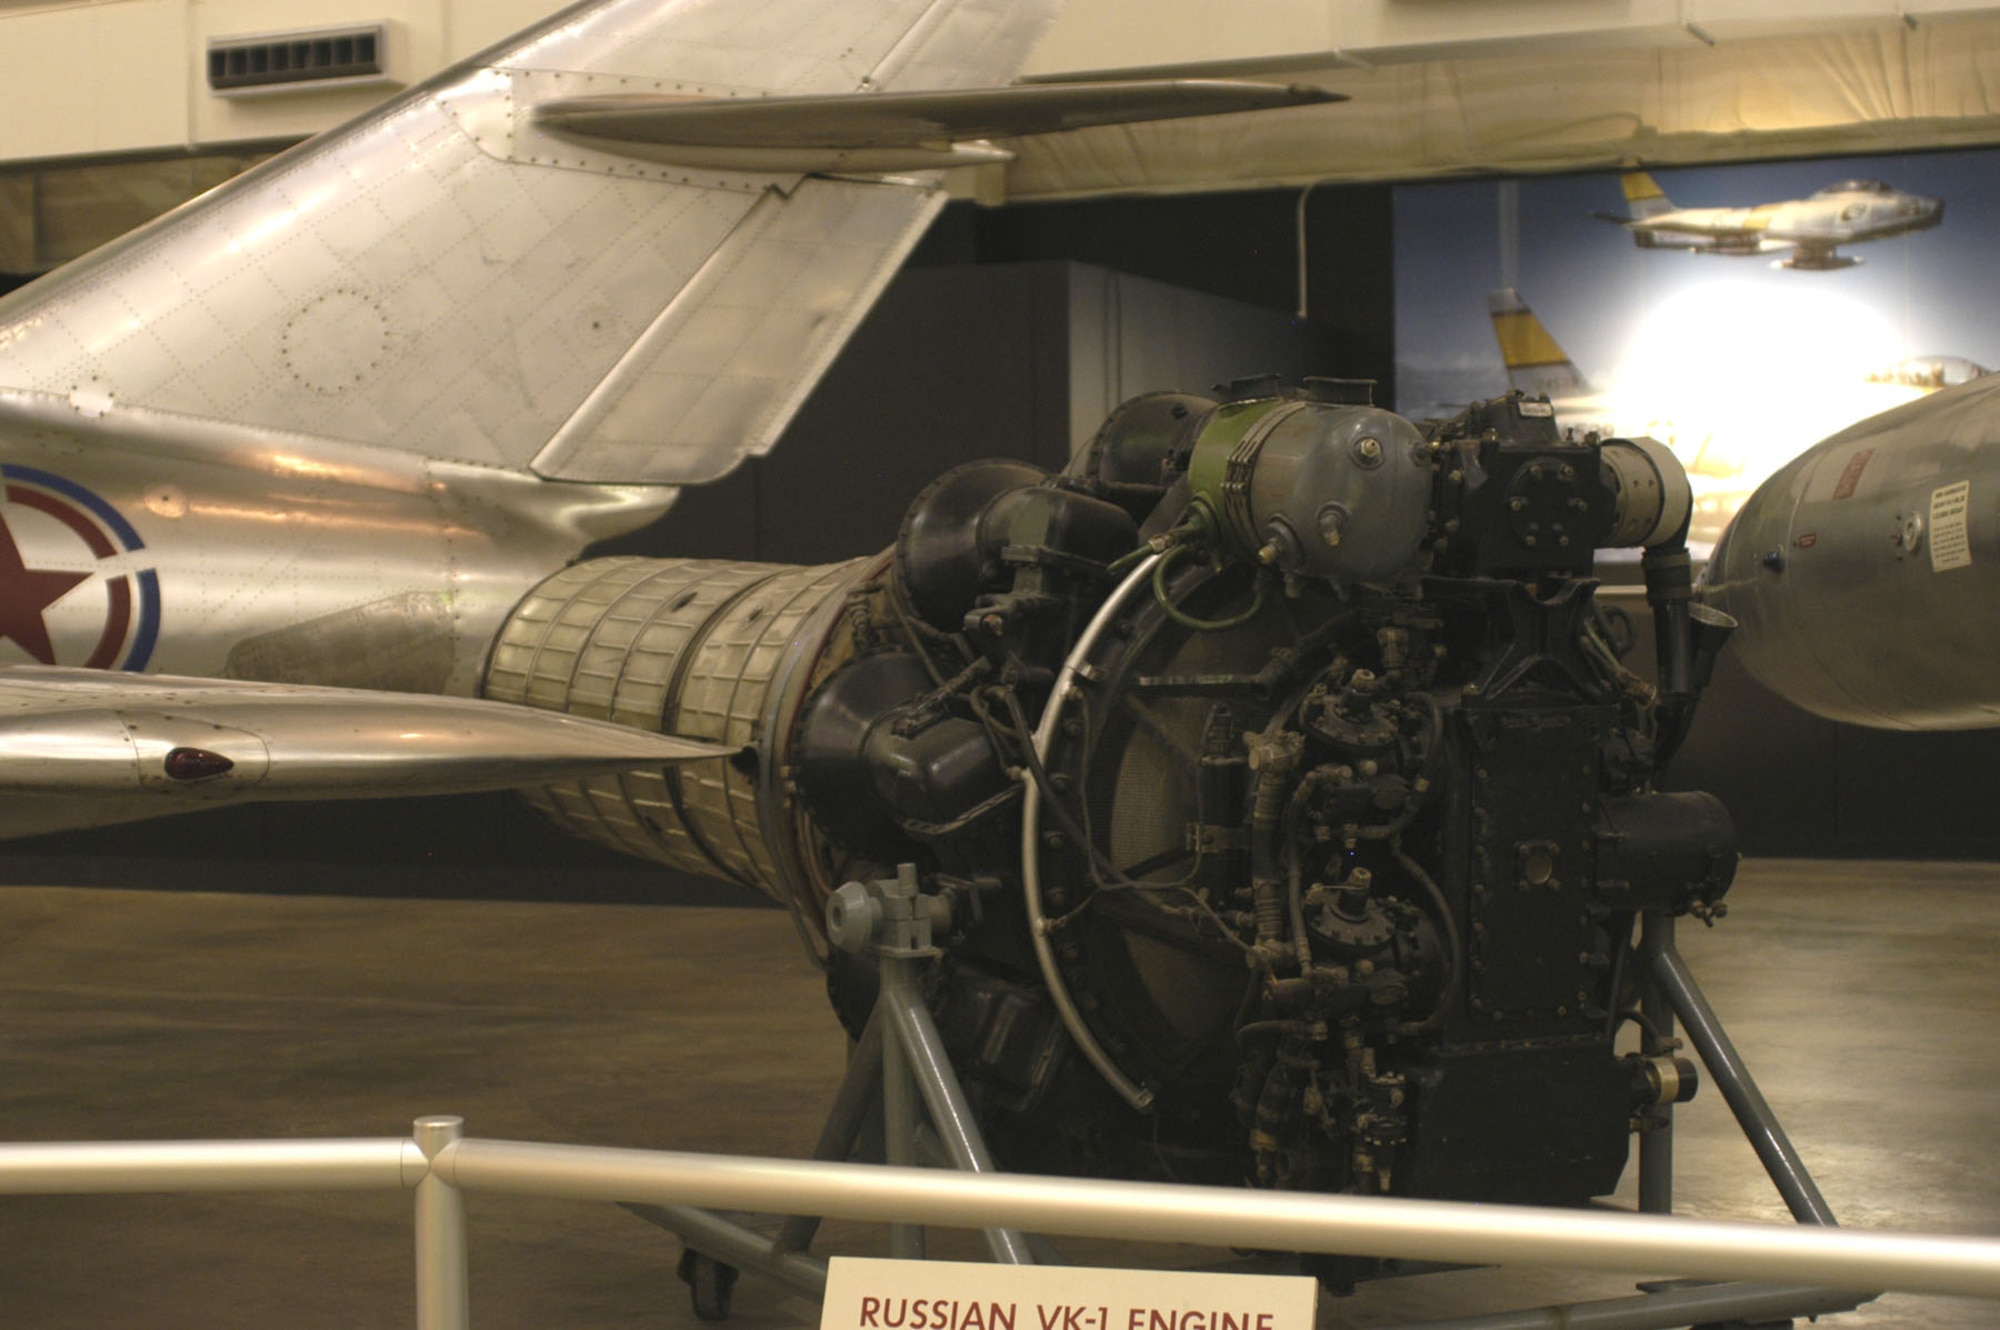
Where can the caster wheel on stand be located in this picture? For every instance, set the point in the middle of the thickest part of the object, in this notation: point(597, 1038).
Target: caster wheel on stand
point(711, 1284)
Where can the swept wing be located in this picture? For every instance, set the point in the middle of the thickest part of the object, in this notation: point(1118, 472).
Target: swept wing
point(89, 747)
point(891, 130)
point(445, 277)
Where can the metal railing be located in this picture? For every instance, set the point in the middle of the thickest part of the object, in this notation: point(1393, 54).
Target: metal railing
point(439, 1164)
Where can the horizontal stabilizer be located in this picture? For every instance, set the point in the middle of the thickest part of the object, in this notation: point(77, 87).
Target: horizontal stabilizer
point(444, 277)
point(890, 131)
point(89, 747)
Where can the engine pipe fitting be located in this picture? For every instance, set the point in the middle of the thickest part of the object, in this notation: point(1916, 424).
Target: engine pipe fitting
point(1137, 1096)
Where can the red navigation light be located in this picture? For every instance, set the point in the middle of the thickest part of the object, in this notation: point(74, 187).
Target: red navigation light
point(192, 764)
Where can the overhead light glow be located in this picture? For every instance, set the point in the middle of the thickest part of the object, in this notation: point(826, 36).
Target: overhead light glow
point(1739, 377)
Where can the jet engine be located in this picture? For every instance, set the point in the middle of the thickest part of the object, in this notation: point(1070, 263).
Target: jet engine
point(1272, 774)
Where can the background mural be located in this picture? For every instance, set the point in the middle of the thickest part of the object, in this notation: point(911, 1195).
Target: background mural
point(1736, 361)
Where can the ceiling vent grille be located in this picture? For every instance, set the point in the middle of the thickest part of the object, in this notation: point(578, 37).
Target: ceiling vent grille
point(299, 61)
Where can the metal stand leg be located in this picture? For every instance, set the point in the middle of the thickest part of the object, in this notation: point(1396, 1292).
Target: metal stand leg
point(1668, 991)
point(899, 1062)
point(1656, 1132)
point(899, 1122)
point(922, 1050)
point(1705, 1032)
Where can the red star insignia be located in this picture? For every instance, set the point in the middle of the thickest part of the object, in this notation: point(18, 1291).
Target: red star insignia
point(24, 594)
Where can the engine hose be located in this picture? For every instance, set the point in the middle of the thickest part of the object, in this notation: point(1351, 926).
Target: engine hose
point(1294, 871)
point(1160, 544)
point(1138, 1096)
point(1125, 562)
point(1104, 872)
point(1274, 755)
point(908, 623)
point(1186, 620)
point(1269, 906)
point(1448, 995)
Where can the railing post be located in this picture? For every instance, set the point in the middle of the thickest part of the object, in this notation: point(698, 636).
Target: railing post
point(443, 1292)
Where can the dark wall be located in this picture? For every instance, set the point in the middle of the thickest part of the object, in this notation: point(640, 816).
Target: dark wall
point(1800, 786)
point(954, 363)
point(1242, 245)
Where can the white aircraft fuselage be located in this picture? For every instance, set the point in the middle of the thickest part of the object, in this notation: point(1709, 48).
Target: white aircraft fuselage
point(1813, 228)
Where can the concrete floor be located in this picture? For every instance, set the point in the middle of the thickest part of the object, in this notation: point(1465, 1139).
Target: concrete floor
point(1861, 994)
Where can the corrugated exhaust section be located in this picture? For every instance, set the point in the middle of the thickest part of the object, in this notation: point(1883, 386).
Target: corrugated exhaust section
point(694, 647)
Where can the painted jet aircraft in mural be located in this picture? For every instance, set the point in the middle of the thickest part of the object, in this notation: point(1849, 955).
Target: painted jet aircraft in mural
point(321, 430)
point(1812, 228)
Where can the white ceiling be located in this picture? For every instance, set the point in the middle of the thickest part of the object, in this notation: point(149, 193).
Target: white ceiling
point(1443, 87)
point(1438, 86)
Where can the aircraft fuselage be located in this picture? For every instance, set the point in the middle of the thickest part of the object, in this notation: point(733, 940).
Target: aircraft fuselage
point(246, 556)
point(1842, 214)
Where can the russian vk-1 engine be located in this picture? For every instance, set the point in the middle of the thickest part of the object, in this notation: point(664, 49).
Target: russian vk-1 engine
point(1276, 780)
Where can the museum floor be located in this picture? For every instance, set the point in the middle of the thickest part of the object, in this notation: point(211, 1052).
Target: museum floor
point(1863, 995)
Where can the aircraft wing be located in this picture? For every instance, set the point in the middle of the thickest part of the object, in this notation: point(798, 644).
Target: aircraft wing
point(89, 747)
point(446, 277)
point(677, 125)
point(1739, 235)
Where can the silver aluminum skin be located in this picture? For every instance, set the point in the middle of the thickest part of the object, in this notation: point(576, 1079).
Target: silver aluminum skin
point(330, 423)
point(1864, 573)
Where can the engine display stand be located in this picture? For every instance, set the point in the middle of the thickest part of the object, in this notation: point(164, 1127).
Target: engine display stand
point(1669, 994)
point(899, 1065)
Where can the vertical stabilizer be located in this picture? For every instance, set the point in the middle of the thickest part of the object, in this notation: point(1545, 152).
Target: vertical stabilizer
point(1643, 196)
point(445, 278)
point(1536, 364)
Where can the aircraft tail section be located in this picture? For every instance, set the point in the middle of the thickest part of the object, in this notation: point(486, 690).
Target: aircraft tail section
point(1536, 364)
point(1643, 196)
point(448, 277)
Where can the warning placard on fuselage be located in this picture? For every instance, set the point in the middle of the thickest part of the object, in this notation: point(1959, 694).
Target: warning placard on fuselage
point(1951, 537)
